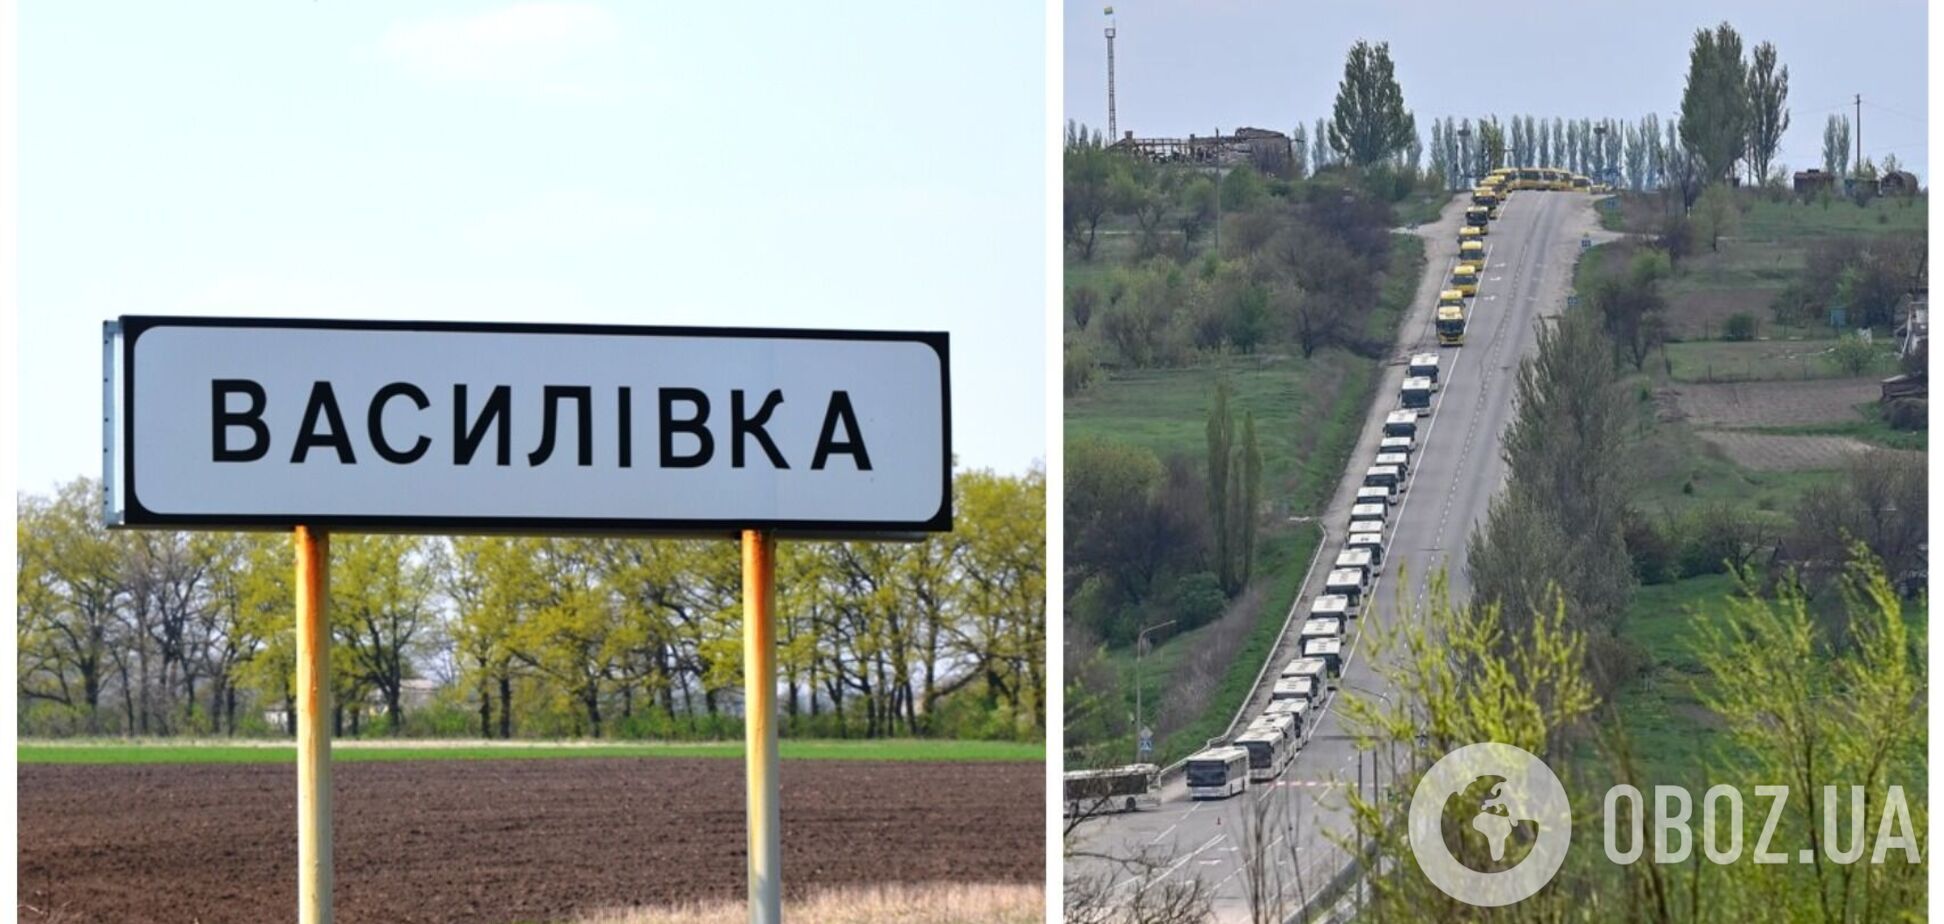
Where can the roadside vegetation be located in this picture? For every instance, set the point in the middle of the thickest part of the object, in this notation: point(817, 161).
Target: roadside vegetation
point(218, 751)
point(1217, 372)
point(168, 634)
point(1708, 563)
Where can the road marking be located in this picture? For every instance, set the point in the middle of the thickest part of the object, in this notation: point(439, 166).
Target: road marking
point(1158, 837)
point(1178, 864)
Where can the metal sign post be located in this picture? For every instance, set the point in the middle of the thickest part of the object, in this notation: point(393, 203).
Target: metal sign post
point(313, 736)
point(409, 426)
point(759, 726)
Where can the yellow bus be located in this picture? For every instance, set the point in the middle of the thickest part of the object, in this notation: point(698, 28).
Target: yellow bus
point(1451, 325)
point(1485, 196)
point(1472, 252)
point(1470, 233)
point(1478, 217)
point(1451, 297)
point(1464, 278)
point(1581, 183)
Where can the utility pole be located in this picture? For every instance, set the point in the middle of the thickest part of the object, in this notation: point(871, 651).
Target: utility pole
point(1859, 133)
point(1113, 129)
point(1140, 644)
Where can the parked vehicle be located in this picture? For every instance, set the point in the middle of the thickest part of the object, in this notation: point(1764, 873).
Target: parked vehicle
point(1369, 542)
point(1217, 773)
point(1423, 366)
point(1401, 423)
point(1111, 789)
point(1415, 393)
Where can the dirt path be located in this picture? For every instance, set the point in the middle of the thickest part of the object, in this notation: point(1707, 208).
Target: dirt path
point(516, 840)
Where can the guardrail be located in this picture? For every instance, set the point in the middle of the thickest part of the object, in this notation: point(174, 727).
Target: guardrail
point(1322, 540)
point(1326, 906)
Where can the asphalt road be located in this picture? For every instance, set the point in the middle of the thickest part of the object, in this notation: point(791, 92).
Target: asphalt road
point(1456, 470)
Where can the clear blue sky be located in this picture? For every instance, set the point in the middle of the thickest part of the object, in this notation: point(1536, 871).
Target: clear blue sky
point(865, 165)
point(1185, 67)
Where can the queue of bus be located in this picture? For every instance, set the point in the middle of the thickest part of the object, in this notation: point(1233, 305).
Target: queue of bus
point(1267, 745)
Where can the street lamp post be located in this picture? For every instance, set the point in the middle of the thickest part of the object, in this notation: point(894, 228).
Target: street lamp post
point(1140, 645)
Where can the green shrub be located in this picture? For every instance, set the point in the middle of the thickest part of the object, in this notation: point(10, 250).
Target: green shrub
point(1907, 413)
point(1196, 599)
point(1741, 326)
point(1650, 547)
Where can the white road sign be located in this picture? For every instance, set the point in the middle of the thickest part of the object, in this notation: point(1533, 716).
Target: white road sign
point(429, 427)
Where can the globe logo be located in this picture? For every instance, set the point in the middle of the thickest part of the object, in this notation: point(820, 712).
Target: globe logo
point(1490, 824)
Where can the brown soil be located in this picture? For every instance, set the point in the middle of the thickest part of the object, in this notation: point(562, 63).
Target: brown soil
point(1704, 314)
point(515, 840)
point(1775, 404)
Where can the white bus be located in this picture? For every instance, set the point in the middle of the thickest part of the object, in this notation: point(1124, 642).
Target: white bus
point(1330, 606)
point(1397, 444)
point(1314, 670)
point(1385, 476)
point(1112, 789)
point(1287, 725)
point(1218, 773)
point(1371, 494)
point(1366, 528)
point(1416, 393)
point(1301, 688)
point(1375, 511)
point(1369, 541)
point(1402, 461)
point(1296, 709)
point(1272, 744)
point(1269, 753)
point(1423, 365)
point(1346, 583)
point(1320, 627)
point(1401, 423)
point(1358, 559)
point(1328, 650)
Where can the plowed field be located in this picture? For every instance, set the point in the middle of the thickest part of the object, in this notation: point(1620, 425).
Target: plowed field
point(503, 840)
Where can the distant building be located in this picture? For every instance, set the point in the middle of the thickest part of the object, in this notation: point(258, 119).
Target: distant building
point(1810, 182)
point(1898, 183)
point(1264, 149)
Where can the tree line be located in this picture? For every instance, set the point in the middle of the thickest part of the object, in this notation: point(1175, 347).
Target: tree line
point(173, 633)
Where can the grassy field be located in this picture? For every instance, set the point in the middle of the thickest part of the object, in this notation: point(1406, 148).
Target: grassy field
point(1290, 551)
point(1869, 426)
point(1760, 361)
point(1672, 733)
point(1674, 737)
point(154, 751)
point(1787, 220)
point(1309, 412)
point(1676, 471)
point(1763, 254)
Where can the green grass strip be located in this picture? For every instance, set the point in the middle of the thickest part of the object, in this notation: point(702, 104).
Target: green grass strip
point(159, 752)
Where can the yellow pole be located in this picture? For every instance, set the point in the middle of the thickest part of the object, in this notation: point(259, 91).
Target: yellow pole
point(759, 724)
point(313, 737)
